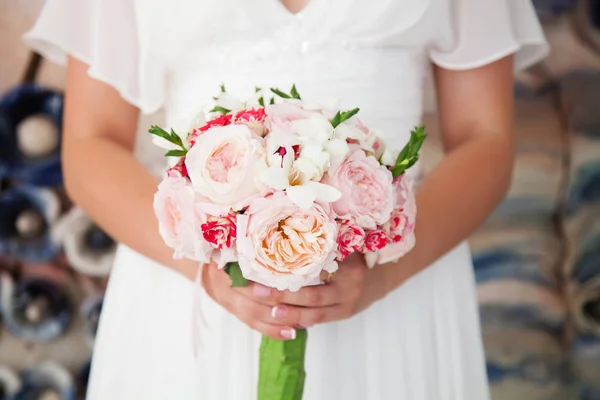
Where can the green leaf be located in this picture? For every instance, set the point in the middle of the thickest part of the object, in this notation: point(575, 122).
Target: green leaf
point(261, 101)
point(158, 131)
point(223, 88)
point(409, 155)
point(349, 114)
point(257, 89)
point(295, 93)
point(342, 116)
point(235, 273)
point(177, 139)
point(272, 100)
point(280, 93)
point(175, 153)
point(219, 109)
point(336, 119)
point(171, 137)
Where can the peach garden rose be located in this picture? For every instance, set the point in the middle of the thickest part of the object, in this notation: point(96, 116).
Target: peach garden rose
point(283, 246)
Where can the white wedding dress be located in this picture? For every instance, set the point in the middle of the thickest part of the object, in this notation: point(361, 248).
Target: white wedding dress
point(422, 342)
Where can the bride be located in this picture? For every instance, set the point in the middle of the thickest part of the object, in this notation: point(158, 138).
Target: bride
point(408, 330)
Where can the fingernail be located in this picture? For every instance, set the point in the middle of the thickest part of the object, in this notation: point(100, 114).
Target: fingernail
point(278, 312)
point(261, 291)
point(288, 334)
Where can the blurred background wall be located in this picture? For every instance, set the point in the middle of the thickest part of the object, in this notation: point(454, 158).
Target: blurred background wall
point(537, 258)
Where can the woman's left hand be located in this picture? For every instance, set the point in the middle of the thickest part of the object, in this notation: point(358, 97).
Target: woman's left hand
point(353, 288)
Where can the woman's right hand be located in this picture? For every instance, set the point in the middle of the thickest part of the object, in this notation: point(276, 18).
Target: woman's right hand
point(253, 305)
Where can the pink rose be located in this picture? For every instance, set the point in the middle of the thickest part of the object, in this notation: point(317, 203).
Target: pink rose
point(375, 240)
point(400, 227)
point(351, 238)
point(396, 225)
point(178, 169)
point(367, 191)
point(223, 166)
point(219, 232)
point(253, 119)
point(283, 246)
point(179, 220)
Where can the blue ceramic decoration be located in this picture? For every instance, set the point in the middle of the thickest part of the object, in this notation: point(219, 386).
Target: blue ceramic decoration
point(47, 381)
point(585, 364)
point(88, 248)
point(34, 309)
point(17, 107)
point(26, 215)
point(10, 383)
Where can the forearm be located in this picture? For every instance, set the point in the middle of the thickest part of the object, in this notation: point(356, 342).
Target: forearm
point(456, 197)
point(116, 191)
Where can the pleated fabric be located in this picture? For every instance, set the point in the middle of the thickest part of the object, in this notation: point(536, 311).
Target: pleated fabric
point(420, 342)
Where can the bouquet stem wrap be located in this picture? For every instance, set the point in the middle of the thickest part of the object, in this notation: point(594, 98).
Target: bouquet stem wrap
point(281, 368)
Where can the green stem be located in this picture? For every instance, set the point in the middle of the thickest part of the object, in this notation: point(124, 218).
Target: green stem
point(281, 368)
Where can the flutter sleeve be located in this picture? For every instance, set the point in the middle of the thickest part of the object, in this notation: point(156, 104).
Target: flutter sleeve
point(473, 33)
point(104, 35)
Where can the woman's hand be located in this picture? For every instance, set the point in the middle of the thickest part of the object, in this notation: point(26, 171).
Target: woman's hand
point(353, 288)
point(277, 313)
point(251, 305)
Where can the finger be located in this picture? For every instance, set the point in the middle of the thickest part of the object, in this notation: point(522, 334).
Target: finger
point(274, 331)
point(249, 310)
point(306, 317)
point(313, 296)
point(262, 318)
point(259, 293)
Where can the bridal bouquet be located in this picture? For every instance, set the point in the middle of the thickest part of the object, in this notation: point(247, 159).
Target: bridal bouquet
point(278, 191)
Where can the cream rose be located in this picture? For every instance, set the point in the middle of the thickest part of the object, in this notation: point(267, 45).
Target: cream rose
point(283, 246)
point(223, 166)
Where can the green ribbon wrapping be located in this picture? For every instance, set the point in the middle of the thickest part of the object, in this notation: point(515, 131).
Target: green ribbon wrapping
point(281, 368)
point(281, 362)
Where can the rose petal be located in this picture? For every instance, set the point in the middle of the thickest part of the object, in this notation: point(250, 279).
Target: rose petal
point(324, 193)
point(276, 178)
point(337, 149)
point(225, 256)
point(303, 196)
point(371, 259)
point(316, 129)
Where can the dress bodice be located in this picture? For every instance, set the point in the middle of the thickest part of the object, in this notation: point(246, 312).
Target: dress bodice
point(358, 54)
point(372, 55)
